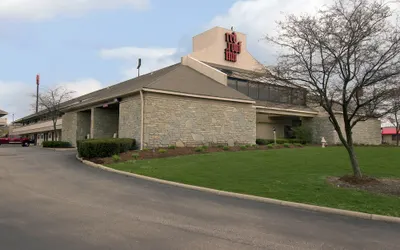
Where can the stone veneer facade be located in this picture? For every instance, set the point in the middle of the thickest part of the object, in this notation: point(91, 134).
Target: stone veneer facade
point(186, 121)
point(83, 124)
point(367, 132)
point(104, 122)
point(130, 118)
point(69, 128)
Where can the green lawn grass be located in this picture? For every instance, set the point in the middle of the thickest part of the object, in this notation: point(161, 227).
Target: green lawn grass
point(289, 174)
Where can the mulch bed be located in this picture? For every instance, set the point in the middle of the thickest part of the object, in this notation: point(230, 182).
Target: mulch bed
point(152, 154)
point(379, 186)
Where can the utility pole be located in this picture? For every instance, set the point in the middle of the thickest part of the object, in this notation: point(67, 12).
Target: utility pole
point(37, 92)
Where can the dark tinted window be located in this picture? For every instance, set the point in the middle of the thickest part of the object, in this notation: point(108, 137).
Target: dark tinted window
point(253, 90)
point(243, 87)
point(263, 94)
point(298, 97)
point(284, 95)
point(232, 84)
point(274, 94)
point(267, 92)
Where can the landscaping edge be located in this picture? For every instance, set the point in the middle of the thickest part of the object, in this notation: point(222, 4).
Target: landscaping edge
point(60, 149)
point(315, 208)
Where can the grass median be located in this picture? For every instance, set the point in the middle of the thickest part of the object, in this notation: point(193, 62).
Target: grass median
point(297, 175)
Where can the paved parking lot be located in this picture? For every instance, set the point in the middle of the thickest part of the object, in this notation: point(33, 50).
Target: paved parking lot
point(48, 201)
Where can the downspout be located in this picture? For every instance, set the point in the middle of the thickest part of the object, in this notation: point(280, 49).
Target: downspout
point(142, 120)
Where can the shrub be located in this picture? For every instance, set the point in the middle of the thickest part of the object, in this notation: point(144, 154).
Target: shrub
point(204, 147)
point(264, 141)
point(303, 134)
point(286, 145)
point(243, 147)
point(282, 141)
point(56, 144)
point(298, 145)
point(162, 151)
point(199, 149)
point(220, 146)
point(93, 148)
point(248, 146)
point(270, 141)
point(135, 156)
point(270, 146)
point(145, 149)
point(116, 158)
point(226, 148)
point(172, 147)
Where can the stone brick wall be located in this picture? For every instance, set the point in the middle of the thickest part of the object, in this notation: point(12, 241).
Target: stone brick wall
point(130, 118)
point(69, 127)
point(185, 121)
point(320, 127)
point(368, 132)
point(104, 122)
point(83, 124)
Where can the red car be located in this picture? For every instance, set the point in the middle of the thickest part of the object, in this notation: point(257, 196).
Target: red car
point(16, 139)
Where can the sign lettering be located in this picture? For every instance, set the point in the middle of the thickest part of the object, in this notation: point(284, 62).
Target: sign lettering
point(233, 47)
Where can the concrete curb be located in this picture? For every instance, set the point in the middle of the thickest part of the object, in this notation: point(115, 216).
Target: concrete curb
point(349, 213)
point(60, 149)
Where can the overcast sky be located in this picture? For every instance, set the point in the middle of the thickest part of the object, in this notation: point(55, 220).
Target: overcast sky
point(89, 44)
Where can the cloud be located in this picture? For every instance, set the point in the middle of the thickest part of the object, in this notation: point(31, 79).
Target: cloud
point(257, 18)
point(83, 86)
point(152, 58)
point(16, 97)
point(48, 9)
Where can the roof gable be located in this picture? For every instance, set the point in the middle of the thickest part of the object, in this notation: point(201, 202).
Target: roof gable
point(3, 113)
point(184, 79)
point(120, 89)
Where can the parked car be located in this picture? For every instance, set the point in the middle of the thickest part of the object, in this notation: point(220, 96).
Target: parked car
point(16, 139)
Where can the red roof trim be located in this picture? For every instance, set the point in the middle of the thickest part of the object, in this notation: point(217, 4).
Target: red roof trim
point(389, 131)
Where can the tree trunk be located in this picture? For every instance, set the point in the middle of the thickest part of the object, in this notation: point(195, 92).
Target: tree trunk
point(54, 130)
point(354, 161)
point(397, 138)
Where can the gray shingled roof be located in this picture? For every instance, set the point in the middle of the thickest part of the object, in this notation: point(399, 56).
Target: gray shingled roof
point(261, 77)
point(285, 106)
point(175, 78)
point(3, 113)
point(183, 79)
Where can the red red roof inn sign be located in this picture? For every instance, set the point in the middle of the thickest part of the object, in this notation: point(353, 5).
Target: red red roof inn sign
point(233, 47)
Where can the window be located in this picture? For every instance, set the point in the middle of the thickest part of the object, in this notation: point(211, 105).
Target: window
point(394, 137)
point(298, 97)
point(284, 95)
point(232, 84)
point(243, 87)
point(263, 92)
point(268, 92)
point(274, 94)
point(253, 90)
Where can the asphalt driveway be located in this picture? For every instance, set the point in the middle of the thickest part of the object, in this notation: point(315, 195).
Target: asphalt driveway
point(49, 200)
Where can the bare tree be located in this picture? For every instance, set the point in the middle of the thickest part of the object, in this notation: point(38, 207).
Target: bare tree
point(50, 102)
point(394, 115)
point(348, 57)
